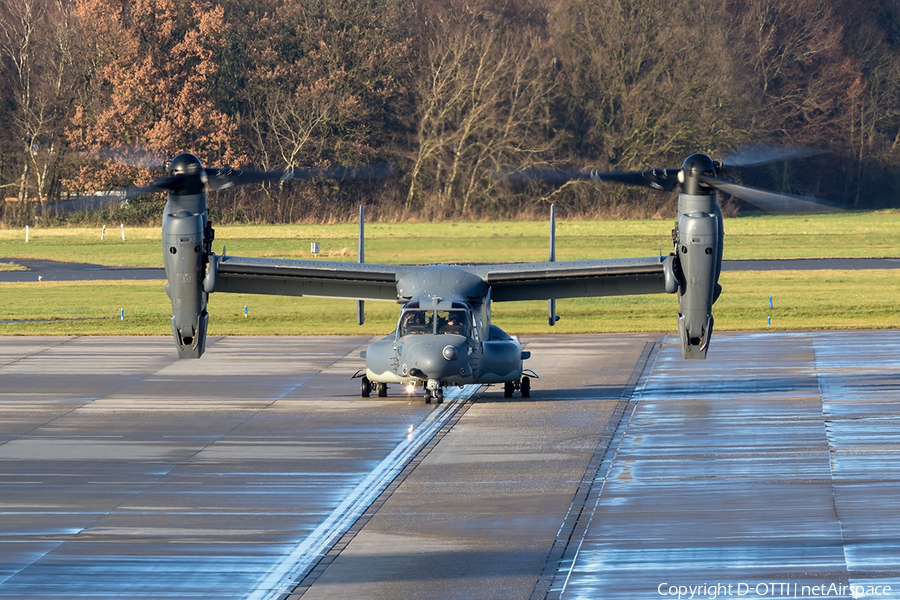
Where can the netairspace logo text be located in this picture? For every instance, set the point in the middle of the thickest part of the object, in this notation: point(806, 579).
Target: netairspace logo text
point(773, 590)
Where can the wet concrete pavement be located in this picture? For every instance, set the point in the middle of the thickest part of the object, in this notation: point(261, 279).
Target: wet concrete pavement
point(127, 473)
point(478, 517)
point(772, 469)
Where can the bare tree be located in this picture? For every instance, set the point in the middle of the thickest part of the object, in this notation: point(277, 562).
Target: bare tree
point(643, 83)
point(483, 103)
point(36, 42)
point(799, 75)
point(322, 86)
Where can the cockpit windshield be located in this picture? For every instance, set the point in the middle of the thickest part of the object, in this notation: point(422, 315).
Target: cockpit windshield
point(418, 321)
point(453, 321)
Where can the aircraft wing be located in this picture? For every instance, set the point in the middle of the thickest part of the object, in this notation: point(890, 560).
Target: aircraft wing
point(578, 279)
point(286, 277)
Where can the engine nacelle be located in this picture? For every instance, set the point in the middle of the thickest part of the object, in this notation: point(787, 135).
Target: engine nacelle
point(185, 262)
point(699, 256)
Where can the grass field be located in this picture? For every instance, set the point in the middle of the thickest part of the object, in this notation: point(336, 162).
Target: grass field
point(802, 299)
point(850, 234)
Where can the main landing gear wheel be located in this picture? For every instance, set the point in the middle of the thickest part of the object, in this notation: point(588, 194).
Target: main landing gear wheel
point(382, 390)
point(511, 386)
point(427, 396)
point(439, 395)
point(365, 387)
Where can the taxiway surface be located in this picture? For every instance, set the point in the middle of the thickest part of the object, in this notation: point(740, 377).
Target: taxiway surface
point(127, 473)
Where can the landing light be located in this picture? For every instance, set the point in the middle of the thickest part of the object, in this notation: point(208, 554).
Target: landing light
point(410, 388)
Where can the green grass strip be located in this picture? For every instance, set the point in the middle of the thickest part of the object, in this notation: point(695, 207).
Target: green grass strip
point(838, 235)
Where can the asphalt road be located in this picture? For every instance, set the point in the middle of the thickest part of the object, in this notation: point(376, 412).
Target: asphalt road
point(49, 270)
point(258, 472)
point(62, 271)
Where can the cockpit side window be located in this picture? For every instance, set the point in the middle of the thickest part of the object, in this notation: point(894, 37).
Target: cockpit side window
point(453, 322)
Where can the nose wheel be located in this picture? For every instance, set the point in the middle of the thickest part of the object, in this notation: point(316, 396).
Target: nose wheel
point(437, 394)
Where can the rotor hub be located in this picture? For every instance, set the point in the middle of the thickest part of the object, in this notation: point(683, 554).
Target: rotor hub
point(185, 164)
point(188, 175)
point(694, 166)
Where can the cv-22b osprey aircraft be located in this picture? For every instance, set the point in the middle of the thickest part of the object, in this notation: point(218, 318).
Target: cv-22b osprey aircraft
point(444, 335)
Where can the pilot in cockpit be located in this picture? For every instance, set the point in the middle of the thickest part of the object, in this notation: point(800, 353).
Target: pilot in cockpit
point(454, 323)
point(412, 323)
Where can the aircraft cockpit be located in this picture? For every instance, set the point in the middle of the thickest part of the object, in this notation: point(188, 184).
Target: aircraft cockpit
point(455, 318)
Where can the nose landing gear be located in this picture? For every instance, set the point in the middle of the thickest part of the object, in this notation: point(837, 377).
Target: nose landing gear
point(437, 394)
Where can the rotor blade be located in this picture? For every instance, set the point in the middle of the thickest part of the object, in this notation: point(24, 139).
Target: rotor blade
point(548, 174)
point(657, 178)
point(163, 184)
point(133, 156)
point(226, 177)
point(374, 171)
point(768, 200)
point(759, 155)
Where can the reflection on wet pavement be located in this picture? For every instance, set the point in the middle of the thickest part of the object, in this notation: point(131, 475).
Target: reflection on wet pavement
point(126, 473)
point(773, 467)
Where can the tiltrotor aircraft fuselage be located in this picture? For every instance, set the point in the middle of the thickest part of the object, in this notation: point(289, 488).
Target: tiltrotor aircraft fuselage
point(444, 335)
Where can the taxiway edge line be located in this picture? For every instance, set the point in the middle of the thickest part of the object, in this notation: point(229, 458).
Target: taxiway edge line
point(553, 580)
point(283, 576)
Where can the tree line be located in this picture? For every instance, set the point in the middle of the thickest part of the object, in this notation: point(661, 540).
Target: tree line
point(97, 94)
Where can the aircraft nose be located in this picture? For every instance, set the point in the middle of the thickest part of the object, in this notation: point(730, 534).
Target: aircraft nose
point(438, 360)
